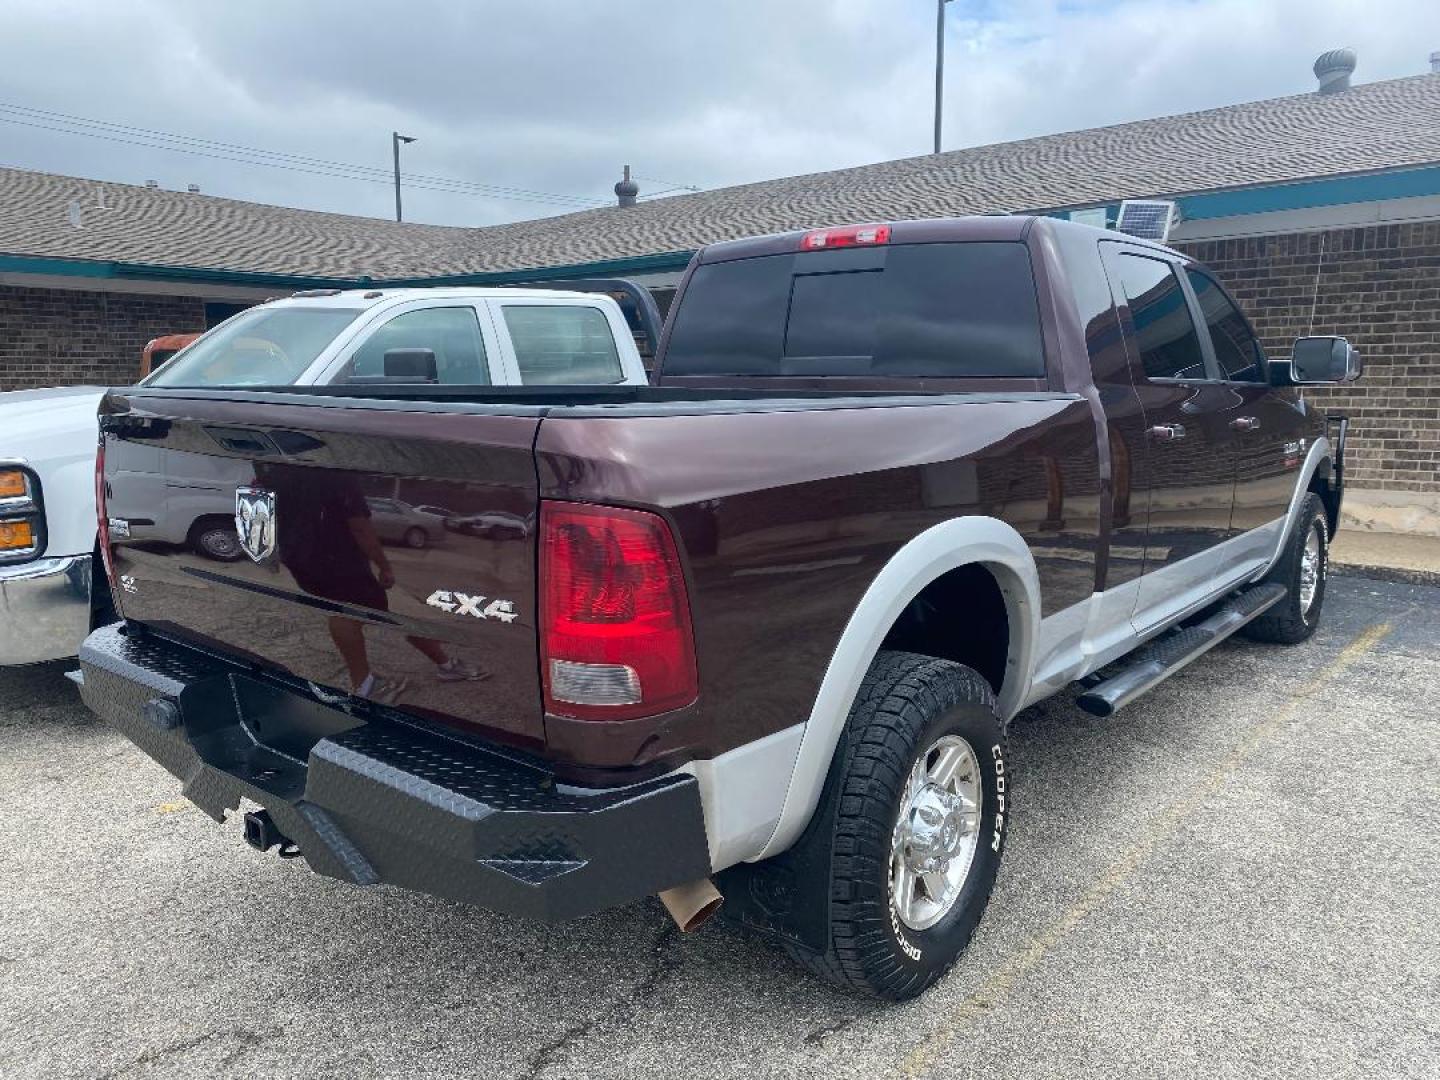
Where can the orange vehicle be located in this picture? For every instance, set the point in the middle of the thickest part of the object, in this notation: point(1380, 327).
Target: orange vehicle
point(160, 349)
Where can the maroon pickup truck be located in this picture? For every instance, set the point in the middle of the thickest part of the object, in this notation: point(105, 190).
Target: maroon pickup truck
point(758, 628)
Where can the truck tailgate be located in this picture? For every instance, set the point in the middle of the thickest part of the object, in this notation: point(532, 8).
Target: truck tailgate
point(379, 540)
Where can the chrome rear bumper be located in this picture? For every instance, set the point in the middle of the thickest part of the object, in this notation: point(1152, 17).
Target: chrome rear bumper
point(44, 609)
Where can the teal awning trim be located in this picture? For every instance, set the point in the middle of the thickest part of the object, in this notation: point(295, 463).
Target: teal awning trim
point(1302, 195)
point(1335, 191)
point(95, 268)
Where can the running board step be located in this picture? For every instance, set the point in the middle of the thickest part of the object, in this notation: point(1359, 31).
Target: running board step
point(1152, 664)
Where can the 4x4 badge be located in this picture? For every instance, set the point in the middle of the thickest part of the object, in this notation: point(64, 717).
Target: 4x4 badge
point(459, 603)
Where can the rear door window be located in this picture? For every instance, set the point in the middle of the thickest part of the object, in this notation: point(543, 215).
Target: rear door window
point(1165, 333)
point(562, 343)
point(452, 333)
point(928, 310)
point(1236, 348)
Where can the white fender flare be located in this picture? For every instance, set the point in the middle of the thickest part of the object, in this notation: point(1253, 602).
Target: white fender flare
point(941, 548)
point(1319, 451)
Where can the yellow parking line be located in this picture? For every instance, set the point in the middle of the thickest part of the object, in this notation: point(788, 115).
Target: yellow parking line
point(988, 995)
point(172, 807)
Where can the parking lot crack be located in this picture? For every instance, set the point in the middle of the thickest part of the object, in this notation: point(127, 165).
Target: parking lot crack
point(818, 1036)
point(244, 1037)
point(553, 1052)
point(663, 964)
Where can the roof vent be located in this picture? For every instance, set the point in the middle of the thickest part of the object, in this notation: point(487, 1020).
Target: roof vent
point(1334, 69)
point(627, 189)
point(153, 185)
point(1435, 63)
point(193, 189)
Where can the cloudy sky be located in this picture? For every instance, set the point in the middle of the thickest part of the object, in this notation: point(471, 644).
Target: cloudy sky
point(546, 99)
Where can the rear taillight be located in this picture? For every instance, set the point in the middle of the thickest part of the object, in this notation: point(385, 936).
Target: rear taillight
point(615, 635)
point(102, 520)
point(845, 236)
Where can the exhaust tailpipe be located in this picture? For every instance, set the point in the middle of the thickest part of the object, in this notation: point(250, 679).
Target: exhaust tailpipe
point(692, 904)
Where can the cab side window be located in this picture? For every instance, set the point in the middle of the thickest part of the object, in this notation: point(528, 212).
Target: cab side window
point(561, 343)
point(1236, 347)
point(1165, 334)
point(453, 333)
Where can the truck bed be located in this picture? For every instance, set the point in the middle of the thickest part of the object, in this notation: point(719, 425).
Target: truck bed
point(783, 505)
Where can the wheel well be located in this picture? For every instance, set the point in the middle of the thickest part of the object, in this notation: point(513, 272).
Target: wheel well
point(960, 616)
point(204, 521)
point(1321, 485)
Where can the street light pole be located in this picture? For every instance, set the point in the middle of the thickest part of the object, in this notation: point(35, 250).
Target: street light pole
point(395, 140)
point(939, 65)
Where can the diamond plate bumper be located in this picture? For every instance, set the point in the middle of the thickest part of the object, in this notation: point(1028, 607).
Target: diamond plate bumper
point(368, 802)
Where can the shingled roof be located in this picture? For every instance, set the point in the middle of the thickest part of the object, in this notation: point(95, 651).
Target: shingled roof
point(174, 228)
point(1375, 126)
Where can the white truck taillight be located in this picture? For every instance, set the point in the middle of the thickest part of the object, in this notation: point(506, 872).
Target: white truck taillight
point(615, 636)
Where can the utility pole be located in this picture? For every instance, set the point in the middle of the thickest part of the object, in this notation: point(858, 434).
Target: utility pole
point(395, 140)
point(939, 65)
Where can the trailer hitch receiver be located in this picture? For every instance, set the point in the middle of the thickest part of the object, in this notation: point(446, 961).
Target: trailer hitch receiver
point(262, 834)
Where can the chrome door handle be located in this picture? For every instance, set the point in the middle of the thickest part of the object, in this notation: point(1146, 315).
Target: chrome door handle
point(1167, 432)
point(1245, 423)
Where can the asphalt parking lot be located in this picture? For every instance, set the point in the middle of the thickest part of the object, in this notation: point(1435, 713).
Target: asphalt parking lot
point(1236, 876)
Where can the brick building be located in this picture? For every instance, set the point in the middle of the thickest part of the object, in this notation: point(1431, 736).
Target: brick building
point(1321, 211)
point(1378, 285)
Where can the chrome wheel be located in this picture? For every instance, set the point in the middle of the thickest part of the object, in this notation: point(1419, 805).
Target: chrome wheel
point(1312, 565)
point(936, 832)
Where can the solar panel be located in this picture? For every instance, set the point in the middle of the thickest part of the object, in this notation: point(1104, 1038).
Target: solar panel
point(1146, 218)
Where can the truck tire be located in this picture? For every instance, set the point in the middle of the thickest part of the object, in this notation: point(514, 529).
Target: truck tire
point(1302, 569)
point(915, 801)
point(216, 539)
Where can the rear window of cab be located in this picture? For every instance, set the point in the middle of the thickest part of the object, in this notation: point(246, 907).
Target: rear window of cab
point(932, 310)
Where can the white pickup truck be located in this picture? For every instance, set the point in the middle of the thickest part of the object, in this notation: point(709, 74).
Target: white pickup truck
point(469, 336)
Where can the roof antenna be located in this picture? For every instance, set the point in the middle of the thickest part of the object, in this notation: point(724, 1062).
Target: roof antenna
point(1315, 293)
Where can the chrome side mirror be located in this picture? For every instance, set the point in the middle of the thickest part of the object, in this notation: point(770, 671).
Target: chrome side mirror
point(1320, 360)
